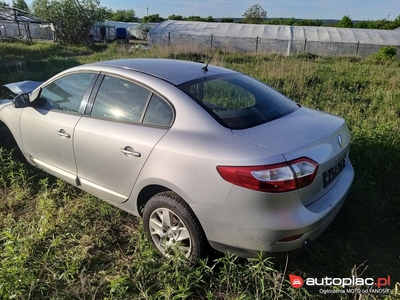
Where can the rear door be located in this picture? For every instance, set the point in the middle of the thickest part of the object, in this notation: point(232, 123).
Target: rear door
point(47, 127)
point(114, 141)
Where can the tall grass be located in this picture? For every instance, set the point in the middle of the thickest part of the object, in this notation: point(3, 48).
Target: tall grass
point(57, 242)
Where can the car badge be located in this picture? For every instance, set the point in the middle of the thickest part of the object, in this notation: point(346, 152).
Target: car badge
point(340, 141)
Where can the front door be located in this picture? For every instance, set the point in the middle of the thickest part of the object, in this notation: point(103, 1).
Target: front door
point(47, 127)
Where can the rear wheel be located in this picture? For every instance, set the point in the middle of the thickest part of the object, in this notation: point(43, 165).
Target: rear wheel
point(171, 224)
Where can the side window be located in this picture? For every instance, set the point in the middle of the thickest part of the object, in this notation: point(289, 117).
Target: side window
point(158, 112)
point(65, 93)
point(120, 100)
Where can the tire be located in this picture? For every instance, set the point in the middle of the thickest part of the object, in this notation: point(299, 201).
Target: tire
point(169, 221)
point(8, 142)
point(6, 139)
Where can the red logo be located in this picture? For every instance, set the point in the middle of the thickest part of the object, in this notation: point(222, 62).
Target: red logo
point(296, 281)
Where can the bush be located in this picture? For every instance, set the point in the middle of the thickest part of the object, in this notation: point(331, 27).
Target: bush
point(386, 53)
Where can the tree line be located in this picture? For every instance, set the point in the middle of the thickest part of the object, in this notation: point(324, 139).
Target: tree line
point(74, 18)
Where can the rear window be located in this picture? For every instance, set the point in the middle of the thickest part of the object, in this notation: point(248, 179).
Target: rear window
point(238, 101)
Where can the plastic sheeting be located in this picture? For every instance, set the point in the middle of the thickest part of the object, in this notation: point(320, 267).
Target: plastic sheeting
point(16, 23)
point(274, 38)
point(17, 15)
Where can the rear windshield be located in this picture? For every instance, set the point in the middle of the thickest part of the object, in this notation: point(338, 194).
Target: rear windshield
point(238, 101)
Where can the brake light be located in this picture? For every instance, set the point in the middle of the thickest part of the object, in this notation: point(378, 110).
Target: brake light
point(276, 178)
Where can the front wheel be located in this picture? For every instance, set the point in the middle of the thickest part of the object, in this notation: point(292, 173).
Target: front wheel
point(169, 222)
point(6, 139)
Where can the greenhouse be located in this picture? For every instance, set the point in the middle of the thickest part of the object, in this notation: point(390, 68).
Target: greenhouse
point(16, 23)
point(277, 39)
point(107, 30)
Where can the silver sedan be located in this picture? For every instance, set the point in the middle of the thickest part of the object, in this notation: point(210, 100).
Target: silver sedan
point(205, 155)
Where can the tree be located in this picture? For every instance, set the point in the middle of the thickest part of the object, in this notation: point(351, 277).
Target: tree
point(3, 4)
point(396, 22)
point(72, 18)
point(191, 18)
point(227, 20)
point(254, 15)
point(123, 15)
point(209, 19)
point(308, 22)
point(152, 19)
point(194, 18)
point(21, 4)
point(346, 22)
point(379, 24)
point(175, 17)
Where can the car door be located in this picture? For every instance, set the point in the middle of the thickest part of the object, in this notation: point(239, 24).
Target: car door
point(114, 141)
point(47, 126)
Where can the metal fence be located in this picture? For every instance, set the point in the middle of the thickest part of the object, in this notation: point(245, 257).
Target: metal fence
point(264, 45)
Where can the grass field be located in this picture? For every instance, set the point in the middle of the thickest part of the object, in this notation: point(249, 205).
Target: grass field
point(57, 242)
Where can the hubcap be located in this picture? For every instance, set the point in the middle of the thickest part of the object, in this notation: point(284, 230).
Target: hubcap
point(167, 229)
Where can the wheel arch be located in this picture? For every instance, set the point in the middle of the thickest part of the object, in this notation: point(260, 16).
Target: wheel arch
point(151, 190)
point(147, 193)
point(5, 134)
point(173, 202)
point(150, 187)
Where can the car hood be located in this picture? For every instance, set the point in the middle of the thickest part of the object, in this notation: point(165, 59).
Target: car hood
point(21, 87)
point(294, 131)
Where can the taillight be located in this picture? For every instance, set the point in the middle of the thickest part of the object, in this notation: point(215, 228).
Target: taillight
point(276, 178)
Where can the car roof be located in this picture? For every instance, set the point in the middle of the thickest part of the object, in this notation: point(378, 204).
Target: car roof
point(171, 70)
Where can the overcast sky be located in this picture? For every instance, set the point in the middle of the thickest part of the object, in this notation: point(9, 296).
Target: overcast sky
point(304, 9)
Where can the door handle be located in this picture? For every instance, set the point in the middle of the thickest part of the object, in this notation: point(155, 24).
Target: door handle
point(62, 133)
point(129, 152)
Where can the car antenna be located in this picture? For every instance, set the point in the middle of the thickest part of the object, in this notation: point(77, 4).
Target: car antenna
point(205, 68)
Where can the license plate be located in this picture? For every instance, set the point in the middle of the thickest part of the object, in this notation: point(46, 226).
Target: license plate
point(332, 173)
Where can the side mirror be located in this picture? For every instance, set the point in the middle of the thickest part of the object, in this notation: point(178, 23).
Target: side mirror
point(21, 101)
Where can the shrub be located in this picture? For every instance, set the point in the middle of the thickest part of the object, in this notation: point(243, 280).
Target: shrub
point(386, 53)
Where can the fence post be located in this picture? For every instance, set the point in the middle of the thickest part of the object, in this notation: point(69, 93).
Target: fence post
point(358, 45)
point(211, 40)
point(305, 46)
point(258, 39)
point(169, 38)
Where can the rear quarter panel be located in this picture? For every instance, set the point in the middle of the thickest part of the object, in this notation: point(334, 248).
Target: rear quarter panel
point(185, 159)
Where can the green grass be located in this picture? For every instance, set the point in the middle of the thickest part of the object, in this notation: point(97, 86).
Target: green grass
point(57, 242)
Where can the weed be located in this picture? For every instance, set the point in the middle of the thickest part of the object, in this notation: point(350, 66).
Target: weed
point(386, 53)
point(57, 242)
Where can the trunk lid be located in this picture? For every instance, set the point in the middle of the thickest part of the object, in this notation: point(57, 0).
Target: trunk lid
point(322, 137)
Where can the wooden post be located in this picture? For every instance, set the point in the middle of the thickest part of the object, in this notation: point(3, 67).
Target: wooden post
point(358, 46)
point(169, 38)
point(211, 39)
point(28, 31)
point(258, 39)
point(17, 21)
point(305, 46)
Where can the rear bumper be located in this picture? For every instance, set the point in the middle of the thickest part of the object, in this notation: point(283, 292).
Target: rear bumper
point(251, 222)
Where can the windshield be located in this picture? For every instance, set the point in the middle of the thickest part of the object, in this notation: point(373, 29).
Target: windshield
point(238, 101)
